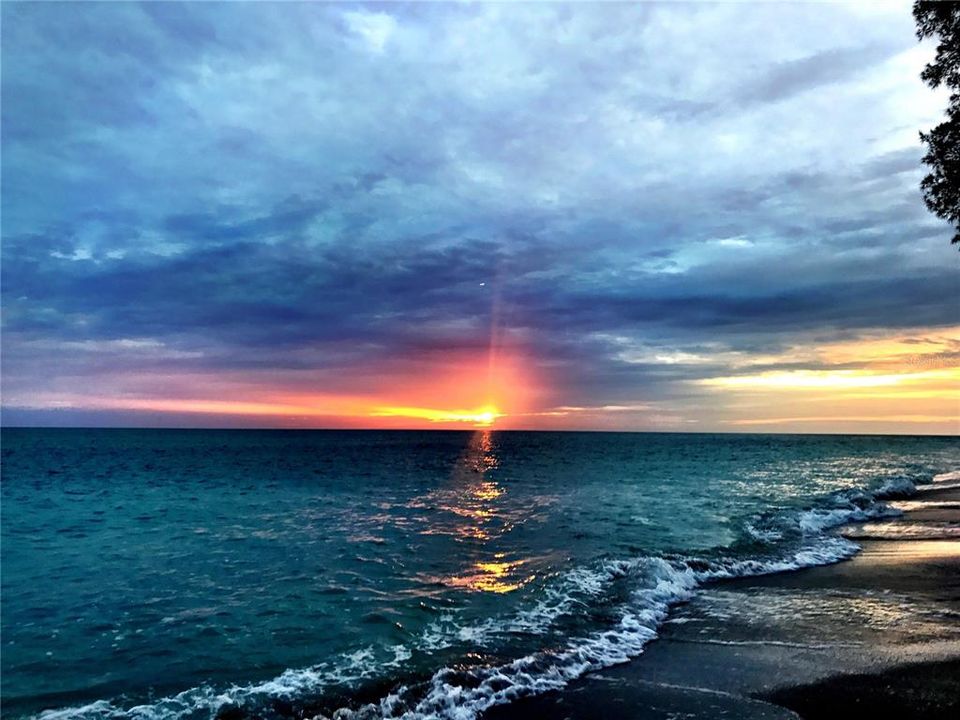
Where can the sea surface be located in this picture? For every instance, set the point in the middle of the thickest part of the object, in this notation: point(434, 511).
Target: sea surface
point(159, 574)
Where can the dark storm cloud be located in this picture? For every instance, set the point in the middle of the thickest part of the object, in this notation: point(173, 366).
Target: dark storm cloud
point(788, 78)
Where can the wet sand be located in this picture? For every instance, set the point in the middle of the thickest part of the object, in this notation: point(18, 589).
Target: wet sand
point(922, 690)
point(874, 636)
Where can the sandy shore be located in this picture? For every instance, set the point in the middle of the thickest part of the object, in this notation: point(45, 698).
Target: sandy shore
point(877, 636)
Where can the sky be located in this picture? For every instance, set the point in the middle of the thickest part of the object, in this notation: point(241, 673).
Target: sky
point(669, 217)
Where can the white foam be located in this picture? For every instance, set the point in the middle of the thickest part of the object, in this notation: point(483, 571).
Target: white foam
point(944, 481)
point(100, 708)
point(764, 535)
point(904, 531)
point(898, 487)
point(826, 552)
point(814, 522)
point(572, 590)
point(941, 485)
point(947, 476)
point(206, 700)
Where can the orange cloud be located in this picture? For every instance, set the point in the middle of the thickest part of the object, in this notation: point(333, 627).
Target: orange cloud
point(907, 382)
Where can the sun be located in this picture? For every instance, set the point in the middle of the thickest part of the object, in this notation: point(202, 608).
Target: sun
point(470, 391)
point(487, 415)
point(483, 416)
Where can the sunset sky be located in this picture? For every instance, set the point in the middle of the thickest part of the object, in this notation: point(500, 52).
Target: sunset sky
point(640, 217)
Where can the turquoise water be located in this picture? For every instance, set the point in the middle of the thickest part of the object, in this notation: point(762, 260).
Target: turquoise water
point(167, 574)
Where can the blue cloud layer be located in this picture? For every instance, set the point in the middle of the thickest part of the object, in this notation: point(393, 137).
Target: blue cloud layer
point(291, 186)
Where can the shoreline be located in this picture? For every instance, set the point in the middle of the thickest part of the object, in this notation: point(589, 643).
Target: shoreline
point(878, 633)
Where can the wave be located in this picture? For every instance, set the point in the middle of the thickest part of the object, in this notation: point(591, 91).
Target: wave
point(793, 540)
point(838, 508)
point(208, 701)
point(944, 481)
point(904, 531)
point(573, 590)
point(953, 475)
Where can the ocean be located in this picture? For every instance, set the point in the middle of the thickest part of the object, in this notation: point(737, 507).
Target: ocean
point(161, 574)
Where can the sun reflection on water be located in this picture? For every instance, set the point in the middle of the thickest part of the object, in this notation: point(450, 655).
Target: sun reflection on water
point(480, 502)
point(496, 576)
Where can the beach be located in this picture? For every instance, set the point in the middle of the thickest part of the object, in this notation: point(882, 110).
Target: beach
point(882, 641)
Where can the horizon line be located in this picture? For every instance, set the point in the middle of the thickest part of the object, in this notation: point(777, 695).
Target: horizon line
point(472, 430)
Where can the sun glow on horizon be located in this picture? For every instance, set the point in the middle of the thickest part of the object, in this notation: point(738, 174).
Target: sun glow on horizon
point(479, 417)
point(828, 379)
point(890, 383)
point(894, 383)
point(454, 390)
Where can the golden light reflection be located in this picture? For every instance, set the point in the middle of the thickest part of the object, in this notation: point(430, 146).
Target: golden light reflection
point(488, 491)
point(473, 495)
point(496, 576)
point(479, 501)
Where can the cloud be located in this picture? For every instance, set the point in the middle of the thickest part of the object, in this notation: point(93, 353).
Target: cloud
point(317, 193)
point(374, 28)
point(790, 77)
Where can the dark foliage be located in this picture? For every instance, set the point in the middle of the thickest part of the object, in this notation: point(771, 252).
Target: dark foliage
point(941, 187)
